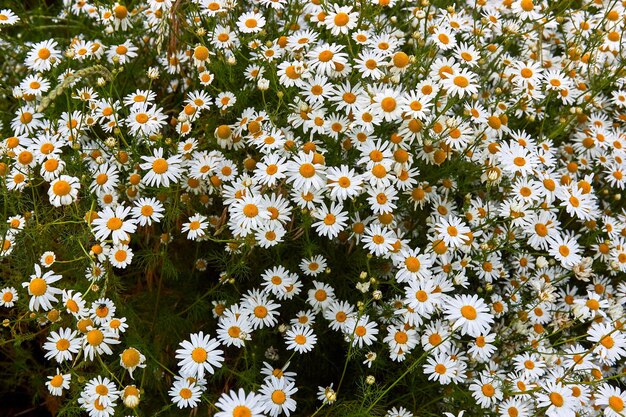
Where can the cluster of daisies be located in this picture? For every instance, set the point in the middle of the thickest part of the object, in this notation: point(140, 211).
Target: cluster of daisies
point(474, 155)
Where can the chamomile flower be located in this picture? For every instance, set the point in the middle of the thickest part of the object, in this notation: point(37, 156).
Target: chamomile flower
point(382, 199)
point(122, 53)
point(320, 296)
point(300, 338)
point(102, 310)
point(114, 224)
point(413, 265)
point(369, 64)
point(63, 190)
point(277, 396)
point(515, 158)
point(378, 240)
point(161, 171)
point(270, 170)
point(199, 355)
point(35, 85)
point(147, 210)
point(145, 120)
point(131, 359)
point(344, 182)
point(58, 382)
point(225, 100)
point(140, 98)
point(120, 17)
point(422, 297)
point(94, 407)
point(121, 255)
point(74, 303)
point(305, 173)
point(461, 83)
point(8, 18)
point(238, 403)
point(276, 279)
point(388, 104)
point(185, 393)
point(486, 390)
point(313, 266)
point(565, 249)
point(326, 394)
point(234, 329)
point(270, 371)
point(195, 227)
point(325, 57)
point(247, 215)
point(8, 297)
point(16, 223)
point(400, 340)
point(557, 398)
point(101, 389)
point(441, 367)
point(609, 343)
point(250, 22)
point(469, 314)
point(97, 341)
point(360, 331)
point(331, 220)
point(338, 312)
point(43, 55)
point(452, 231)
point(262, 311)
point(613, 399)
point(105, 178)
point(41, 292)
point(62, 345)
point(341, 19)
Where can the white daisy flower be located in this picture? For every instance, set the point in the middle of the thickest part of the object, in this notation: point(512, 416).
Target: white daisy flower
point(8, 297)
point(277, 396)
point(199, 355)
point(114, 224)
point(185, 393)
point(161, 171)
point(42, 294)
point(63, 191)
point(61, 345)
point(300, 338)
point(239, 404)
point(58, 382)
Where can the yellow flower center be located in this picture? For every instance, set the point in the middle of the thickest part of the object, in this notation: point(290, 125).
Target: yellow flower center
point(242, 411)
point(469, 312)
point(260, 311)
point(556, 399)
point(279, 397)
point(114, 223)
point(95, 337)
point(56, 381)
point(307, 170)
point(62, 344)
point(185, 393)
point(616, 403)
point(130, 357)
point(61, 188)
point(160, 166)
point(341, 19)
point(199, 355)
point(38, 287)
